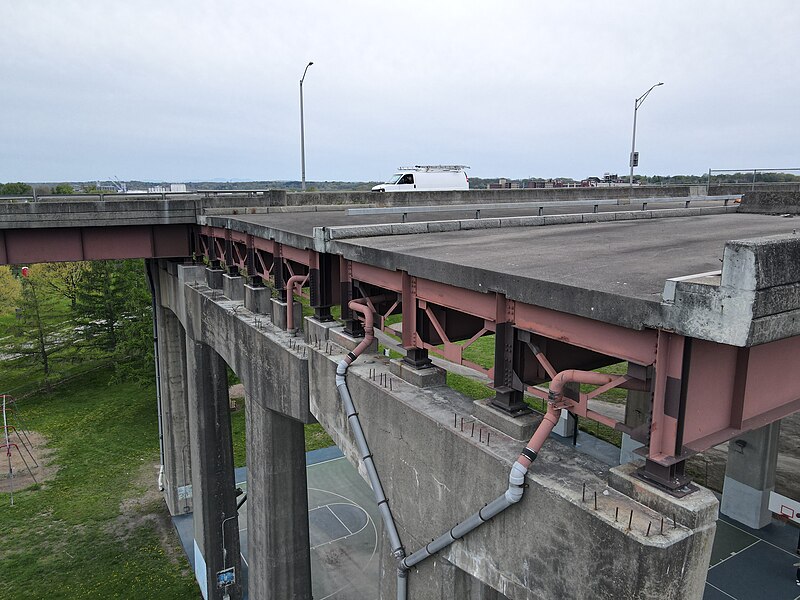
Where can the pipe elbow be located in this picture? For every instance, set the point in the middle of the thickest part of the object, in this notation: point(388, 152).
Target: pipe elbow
point(341, 368)
point(517, 474)
point(514, 494)
point(516, 481)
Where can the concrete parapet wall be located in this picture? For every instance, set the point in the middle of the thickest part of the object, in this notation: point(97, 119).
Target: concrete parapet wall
point(124, 210)
point(416, 227)
point(478, 196)
point(771, 202)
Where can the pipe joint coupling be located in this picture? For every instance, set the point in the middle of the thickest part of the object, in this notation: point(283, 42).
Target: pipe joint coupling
point(517, 474)
point(514, 494)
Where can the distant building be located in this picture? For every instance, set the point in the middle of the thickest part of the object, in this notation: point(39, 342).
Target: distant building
point(608, 180)
point(163, 189)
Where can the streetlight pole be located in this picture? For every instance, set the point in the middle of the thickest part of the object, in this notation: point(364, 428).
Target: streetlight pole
point(303, 133)
point(636, 104)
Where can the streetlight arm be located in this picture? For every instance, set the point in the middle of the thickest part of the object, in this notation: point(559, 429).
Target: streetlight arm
point(640, 100)
point(304, 72)
point(636, 104)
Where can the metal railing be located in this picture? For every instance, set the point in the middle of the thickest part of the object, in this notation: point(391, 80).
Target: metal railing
point(539, 207)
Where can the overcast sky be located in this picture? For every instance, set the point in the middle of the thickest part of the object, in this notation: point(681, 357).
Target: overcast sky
point(194, 90)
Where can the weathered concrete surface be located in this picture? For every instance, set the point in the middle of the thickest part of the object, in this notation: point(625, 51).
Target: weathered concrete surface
point(615, 271)
point(435, 476)
point(174, 412)
point(215, 521)
point(272, 375)
point(233, 287)
point(276, 381)
point(87, 211)
point(517, 195)
point(277, 506)
point(771, 202)
point(754, 301)
point(257, 299)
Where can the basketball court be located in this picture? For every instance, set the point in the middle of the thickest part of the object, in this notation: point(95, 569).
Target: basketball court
point(343, 527)
point(746, 564)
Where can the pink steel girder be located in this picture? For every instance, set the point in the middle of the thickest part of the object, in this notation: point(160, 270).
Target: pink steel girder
point(234, 247)
point(74, 244)
point(696, 402)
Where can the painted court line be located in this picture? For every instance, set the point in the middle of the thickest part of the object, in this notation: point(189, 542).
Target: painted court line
point(734, 554)
point(330, 460)
point(792, 554)
point(328, 506)
point(722, 591)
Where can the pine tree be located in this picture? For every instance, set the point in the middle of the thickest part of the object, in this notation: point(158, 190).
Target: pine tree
point(113, 308)
point(39, 328)
point(99, 303)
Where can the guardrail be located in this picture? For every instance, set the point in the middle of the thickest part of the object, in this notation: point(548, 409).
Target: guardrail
point(539, 206)
point(103, 196)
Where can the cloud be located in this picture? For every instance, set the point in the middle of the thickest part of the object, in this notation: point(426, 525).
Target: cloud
point(193, 90)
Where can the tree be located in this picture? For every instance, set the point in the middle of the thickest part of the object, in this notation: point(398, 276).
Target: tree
point(113, 308)
point(10, 290)
point(99, 303)
point(15, 189)
point(65, 278)
point(39, 329)
point(63, 188)
point(133, 355)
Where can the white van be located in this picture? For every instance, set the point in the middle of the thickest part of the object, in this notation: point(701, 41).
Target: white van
point(426, 178)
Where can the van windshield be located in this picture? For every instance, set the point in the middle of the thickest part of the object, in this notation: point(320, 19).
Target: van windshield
point(395, 178)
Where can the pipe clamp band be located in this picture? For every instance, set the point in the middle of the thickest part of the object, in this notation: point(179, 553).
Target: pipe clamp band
point(529, 454)
point(351, 356)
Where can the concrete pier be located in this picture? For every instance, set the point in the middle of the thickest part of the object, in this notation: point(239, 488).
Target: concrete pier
point(277, 506)
point(174, 413)
point(216, 528)
point(750, 476)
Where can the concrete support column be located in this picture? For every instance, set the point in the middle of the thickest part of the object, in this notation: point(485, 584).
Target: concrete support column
point(750, 476)
point(174, 413)
point(216, 526)
point(214, 277)
point(233, 287)
point(257, 299)
point(279, 562)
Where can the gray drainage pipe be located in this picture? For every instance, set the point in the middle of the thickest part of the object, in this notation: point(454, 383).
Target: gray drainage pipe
point(358, 432)
point(516, 479)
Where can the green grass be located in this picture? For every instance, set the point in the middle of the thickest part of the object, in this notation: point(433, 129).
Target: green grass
point(64, 540)
point(316, 436)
